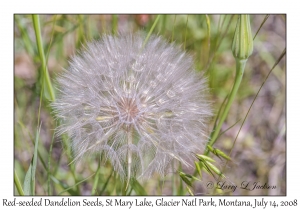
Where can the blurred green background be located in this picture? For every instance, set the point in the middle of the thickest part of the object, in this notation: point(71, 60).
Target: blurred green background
point(259, 154)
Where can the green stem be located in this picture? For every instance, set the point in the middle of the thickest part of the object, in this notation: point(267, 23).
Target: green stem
point(186, 24)
point(173, 179)
point(81, 31)
point(240, 67)
point(164, 21)
point(95, 185)
point(173, 29)
point(151, 30)
point(106, 183)
point(208, 34)
point(114, 24)
point(37, 30)
point(49, 165)
point(29, 47)
point(34, 160)
point(129, 157)
point(18, 184)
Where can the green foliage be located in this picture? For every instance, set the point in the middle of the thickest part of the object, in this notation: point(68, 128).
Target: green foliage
point(218, 153)
point(18, 184)
point(205, 163)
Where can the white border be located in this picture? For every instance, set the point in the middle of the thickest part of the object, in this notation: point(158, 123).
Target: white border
point(8, 8)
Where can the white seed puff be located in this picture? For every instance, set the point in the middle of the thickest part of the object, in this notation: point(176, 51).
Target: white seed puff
point(139, 106)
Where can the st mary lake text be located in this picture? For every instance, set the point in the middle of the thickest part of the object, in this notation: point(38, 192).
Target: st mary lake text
point(144, 202)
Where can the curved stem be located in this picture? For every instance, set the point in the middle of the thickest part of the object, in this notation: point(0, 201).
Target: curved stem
point(129, 156)
point(37, 30)
point(240, 67)
point(18, 183)
point(151, 30)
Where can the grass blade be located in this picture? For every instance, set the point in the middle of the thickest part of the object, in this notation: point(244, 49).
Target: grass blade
point(114, 24)
point(106, 183)
point(218, 44)
point(138, 188)
point(18, 183)
point(265, 19)
point(185, 178)
point(27, 181)
point(28, 45)
point(173, 29)
point(51, 39)
point(208, 33)
point(64, 186)
point(80, 34)
point(97, 177)
point(186, 26)
point(151, 30)
point(180, 188)
point(46, 76)
point(163, 24)
point(49, 164)
point(228, 128)
point(190, 191)
point(69, 188)
point(34, 160)
point(58, 38)
point(37, 30)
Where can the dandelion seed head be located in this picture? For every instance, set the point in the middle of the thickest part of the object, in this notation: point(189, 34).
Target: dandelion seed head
point(139, 106)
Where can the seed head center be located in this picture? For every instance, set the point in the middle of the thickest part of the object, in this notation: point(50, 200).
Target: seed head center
point(128, 110)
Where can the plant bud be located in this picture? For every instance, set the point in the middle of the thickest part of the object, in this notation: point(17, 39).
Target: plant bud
point(242, 45)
